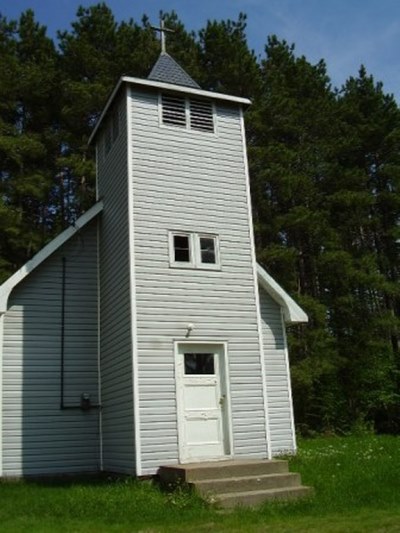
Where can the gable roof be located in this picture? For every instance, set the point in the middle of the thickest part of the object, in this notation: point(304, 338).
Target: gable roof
point(44, 253)
point(292, 312)
point(167, 70)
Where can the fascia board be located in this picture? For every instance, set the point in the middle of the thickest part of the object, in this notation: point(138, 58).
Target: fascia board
point(293, 313)
point(166, 87)
point(44, 253)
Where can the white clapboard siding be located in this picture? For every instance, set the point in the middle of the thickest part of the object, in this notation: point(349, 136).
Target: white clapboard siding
point(192, 181)
point(39, 437)
point(115, 314)
point(277, 377)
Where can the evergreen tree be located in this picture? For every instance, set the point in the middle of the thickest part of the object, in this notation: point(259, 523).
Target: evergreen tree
point(228, 64)
point(291, 149)
point(29, 138)
point(365, 204)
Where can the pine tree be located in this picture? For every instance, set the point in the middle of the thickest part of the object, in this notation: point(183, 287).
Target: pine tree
point(365, 207)
point(291, 149)
point(228, 64)
point(28, 138)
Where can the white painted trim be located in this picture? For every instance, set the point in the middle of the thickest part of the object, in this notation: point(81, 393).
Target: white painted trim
point(195, 262)
point(286, 348)
point(180, 401)
point(132, 275)
point(1, 390)
point(99, 392)
point(228, 399)
point(293, 313)
point(164, 86)
point(97, 171)
point(181, 264)
point(199, 263)
point(255, 282)
point(44, 253)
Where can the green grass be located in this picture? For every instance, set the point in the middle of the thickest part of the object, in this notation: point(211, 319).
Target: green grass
point(356, 481)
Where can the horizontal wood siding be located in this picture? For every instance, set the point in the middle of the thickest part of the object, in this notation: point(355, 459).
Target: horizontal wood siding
point(277, 377)
point(115, 312)
point(195, 182)
point(39, 437)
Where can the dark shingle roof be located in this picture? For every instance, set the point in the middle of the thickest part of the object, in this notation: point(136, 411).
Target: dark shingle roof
point(167, 70)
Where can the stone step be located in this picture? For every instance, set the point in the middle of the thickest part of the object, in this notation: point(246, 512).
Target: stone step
point(189, 473)
point(256, 497)
point(247, 483)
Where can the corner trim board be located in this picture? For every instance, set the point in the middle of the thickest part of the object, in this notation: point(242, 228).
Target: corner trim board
point(99, 392)
point(255, 282)
point(135, 366)
point(289, 382)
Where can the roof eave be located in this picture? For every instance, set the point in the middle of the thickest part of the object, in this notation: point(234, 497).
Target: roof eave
point(292, 312)
point(167, 87)
point(44, 253)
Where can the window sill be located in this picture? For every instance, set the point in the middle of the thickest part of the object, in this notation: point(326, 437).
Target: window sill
point(191, 266)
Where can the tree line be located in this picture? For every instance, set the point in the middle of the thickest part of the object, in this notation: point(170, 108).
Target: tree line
point(324, 169)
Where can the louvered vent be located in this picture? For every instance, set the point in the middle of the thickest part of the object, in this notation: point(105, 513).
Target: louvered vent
point(201, 115)
point(173, 111)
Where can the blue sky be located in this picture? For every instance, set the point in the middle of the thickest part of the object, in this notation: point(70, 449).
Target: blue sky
point(346, 33)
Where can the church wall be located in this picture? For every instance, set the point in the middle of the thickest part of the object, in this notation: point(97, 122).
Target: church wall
point(115, 298)
point(280, 415)
point(192, 181)
point(39, 437)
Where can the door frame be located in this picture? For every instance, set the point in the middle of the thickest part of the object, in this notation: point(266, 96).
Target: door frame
point(225, 386)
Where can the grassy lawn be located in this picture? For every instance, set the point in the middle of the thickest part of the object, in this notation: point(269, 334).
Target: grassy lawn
point(356, 481)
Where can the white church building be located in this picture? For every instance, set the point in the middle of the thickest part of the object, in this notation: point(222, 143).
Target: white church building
point(146, 334)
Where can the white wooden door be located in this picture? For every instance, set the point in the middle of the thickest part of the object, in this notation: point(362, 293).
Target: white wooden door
point(202, 405)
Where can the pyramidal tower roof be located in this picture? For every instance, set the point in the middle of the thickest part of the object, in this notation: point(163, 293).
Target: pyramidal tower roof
point(167, 70)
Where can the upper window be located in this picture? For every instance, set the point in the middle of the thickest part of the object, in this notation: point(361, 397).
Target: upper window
point(182, 249)
point(188, 113)
point(194, 250)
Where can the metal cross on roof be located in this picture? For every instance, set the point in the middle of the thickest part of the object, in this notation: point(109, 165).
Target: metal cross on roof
point(163, 30)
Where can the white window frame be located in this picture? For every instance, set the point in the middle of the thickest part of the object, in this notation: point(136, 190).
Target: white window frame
point(197, 250)
point(194, 251)
point(181, 264)
point(187, 126)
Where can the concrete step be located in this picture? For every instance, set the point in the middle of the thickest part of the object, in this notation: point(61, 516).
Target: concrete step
point(190, 473)
point(247, 483)
point(256, 497)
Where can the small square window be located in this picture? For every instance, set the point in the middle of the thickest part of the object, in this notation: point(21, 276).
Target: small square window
point(199, 363)
point(182, 248)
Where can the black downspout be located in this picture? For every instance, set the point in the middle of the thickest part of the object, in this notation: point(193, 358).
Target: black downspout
point(62, 347)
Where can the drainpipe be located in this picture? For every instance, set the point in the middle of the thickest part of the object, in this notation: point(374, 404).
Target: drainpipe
point(85, 404)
